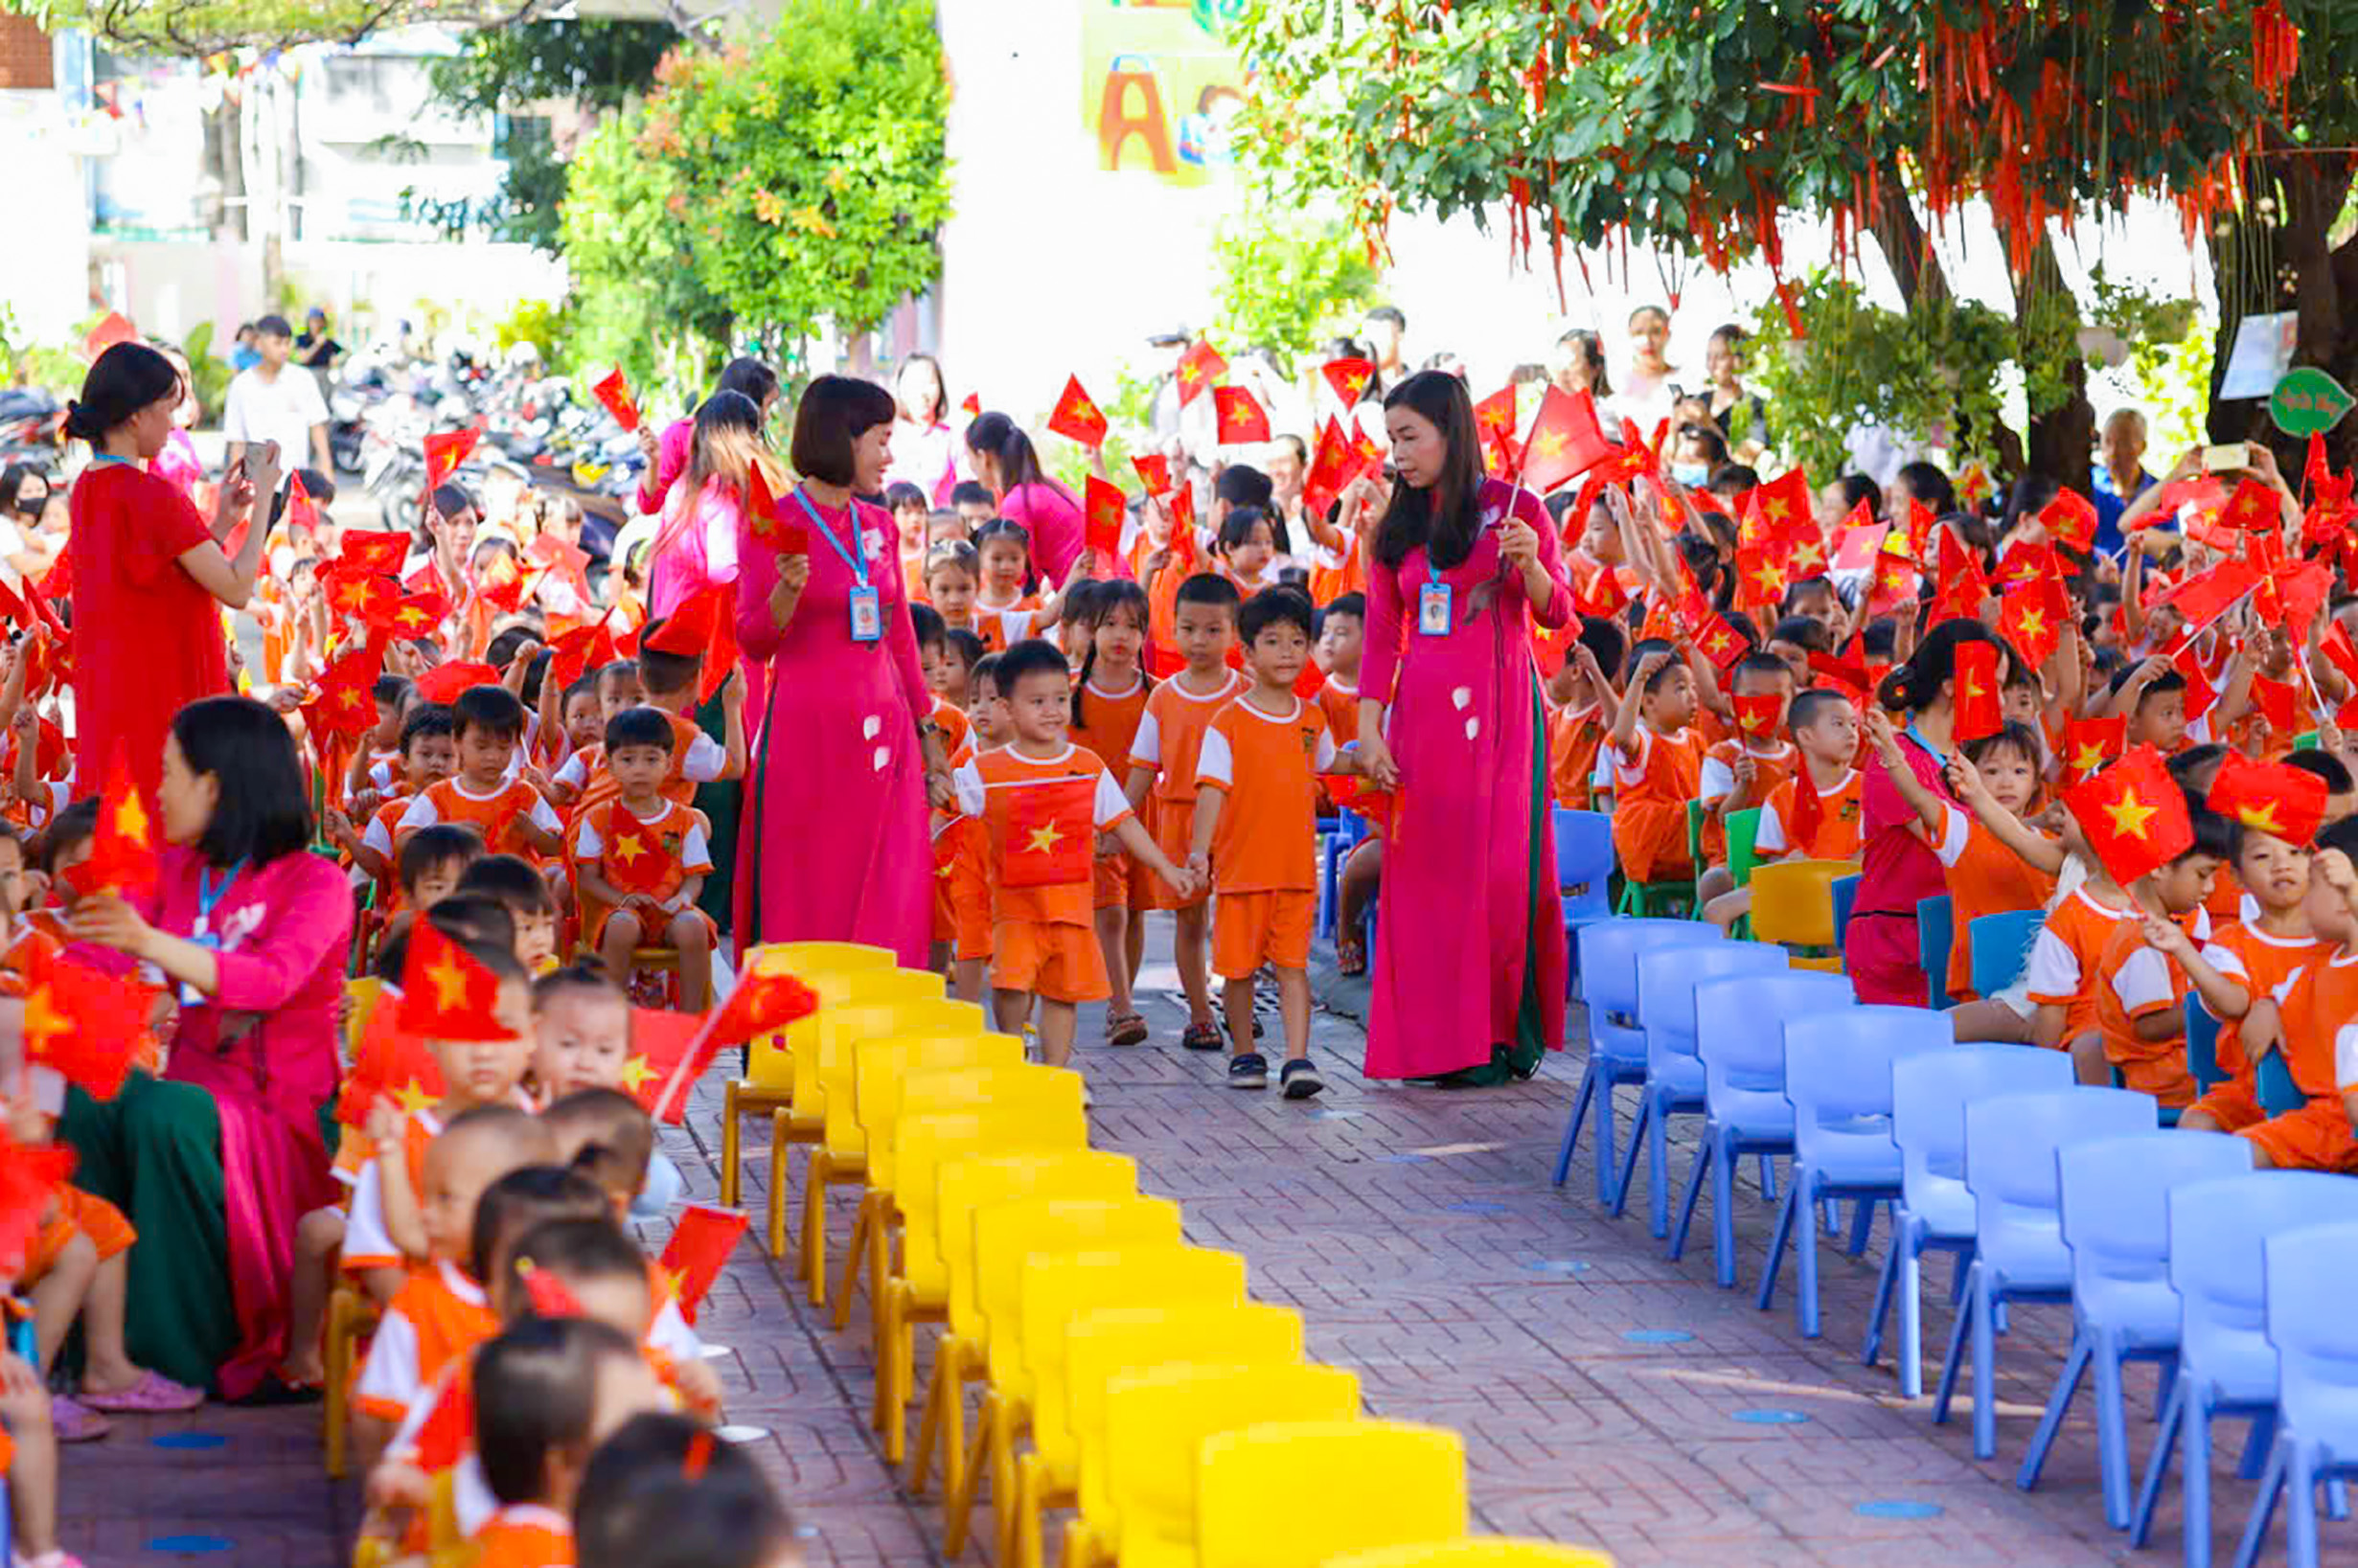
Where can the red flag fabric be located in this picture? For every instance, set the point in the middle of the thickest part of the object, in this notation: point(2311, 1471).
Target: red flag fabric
point(1349, 377)
point(2253, 507)
point(1076, 418)
point(2071, 518)
point(1757, 713)
point(972, 404)
point(1598, 592)
point(348, 710)
point(122, 850)
point(1961, 585)
point(1783, 504)
point(2200, 693)
point(2032, 617)
point(2287, 803)
point(662, 1045)
point(1183, 509)
point(1331, 466)
point(2202, 600)
point(1101, 508)
point(2089, 744)
point(1237, 416)
point(1760, 578)
point(761, 1003)
point(612, 391)
point(445, 451)
point(1199, 369)
point(445, 681)
point(417, 616)
point(372, 551)
point(299, 512)
point(704, 626)
point(112, 329)
point(85, 1023)
point(1722, 643)
point(763, 517)
point(1050, 834)
point(29, 1178)
point(1921, 521)
point(501, 583)
point(2278, 703)
point(2133, 815)
point(700, 1244)
point(391, 1061)
point(1978, 707)
point(2341, 650)
point(1154, 472)
point(1566, 441)
point(1494, 417)
point(445, 994)
point(1862, 543)
point(551, 1297)
point(579, 652)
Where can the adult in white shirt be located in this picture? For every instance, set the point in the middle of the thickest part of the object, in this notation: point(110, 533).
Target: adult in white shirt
point(1652, 385)
point(270, 402)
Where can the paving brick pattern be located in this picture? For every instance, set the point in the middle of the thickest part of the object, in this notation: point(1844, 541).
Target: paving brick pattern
point(1607, 1395)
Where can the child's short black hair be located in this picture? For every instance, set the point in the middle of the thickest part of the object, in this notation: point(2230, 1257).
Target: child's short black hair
point(619, 1137)
point(1237, 527)
point(1241, 485)
point(2215, 835)
point(535, 1387)
point(662, 673)
point(1605, 642)
point(70, 827)
point(1208, 588)
point(2342, 836)
point(2168, 680)
point(969, 492)
point(1270, 608)
point(620, 669)
point(2012, 736)
point(986, 669)
point(2325, 765)
point(510, 879)
point(428, 719)
point(1645, 650)
point(1808, 635)
point(436, 846)
point(579, 1249)
point(643, 1505)
point(963, 647)
point(1793, 591)
point(2197, 764)
point(1079, 605)
point(526, 1198)
point(1353, 605)
point(1032, 656)
point(391, 691)
point(482, 924)
point(586, 685)
point(501, 651)
point(492, 709)
point(902, 494)
point(639, 727)
point(584, 978)
point(930, 627)
point(1809, 706)
point(1759, 664)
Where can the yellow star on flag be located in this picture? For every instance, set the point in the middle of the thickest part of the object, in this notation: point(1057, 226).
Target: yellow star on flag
point(409, 615)
point(628, 848)
point(1718, 642)
point(1765, 579)
point(2263, 818)
point(676, 1279)
point(413, 1097)
point(2130, 815)
point(637, 1071)
point(1548, 443)
point(2089, 758)
point(1777, 508)
point(449, 980)
point(1809, 554)
point(1190, 372)
point(2033, 622)
point(43, 1022)
point(1044, 840)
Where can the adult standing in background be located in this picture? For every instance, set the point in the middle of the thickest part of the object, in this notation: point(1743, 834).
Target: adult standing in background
point(667, 453)
point(267, 405)
point(1652, 384)
point(1742, 417)
point(2119, 475)
point(1578, 365)
point(926, 449)
point(1004, 459)
point(1387, 331)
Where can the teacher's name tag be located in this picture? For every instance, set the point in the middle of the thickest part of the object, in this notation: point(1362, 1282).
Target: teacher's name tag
point(867, 615)
point(1432, 609)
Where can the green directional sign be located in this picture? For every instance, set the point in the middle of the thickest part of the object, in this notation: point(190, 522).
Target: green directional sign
point(2309, 401)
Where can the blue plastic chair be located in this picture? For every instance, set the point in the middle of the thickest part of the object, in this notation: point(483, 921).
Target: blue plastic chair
point(1335, 849)
point(2273, 1081)
point(1935, 933)
point(2203, 1046)
point(2018, 1254)
point(1846, 890)
point(1838, 1075)
point(2226, 1363)
point(2115, 1220)
point(1740, 1037)
point(1583, 871)
point(2000, 945)
point(1617, 1051)
point(1928, 1096)
point(1668, 1012)
point(2309, 1323)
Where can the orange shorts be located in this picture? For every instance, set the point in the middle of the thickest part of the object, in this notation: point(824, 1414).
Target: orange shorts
point(596, 934)
point(1250, 929)
point(77, 1214)
point(2234, 1104)
point(1122, 884)
point(1175, 828)
point(1058, 963)
point(2315, 1137)
point(2162, 1075)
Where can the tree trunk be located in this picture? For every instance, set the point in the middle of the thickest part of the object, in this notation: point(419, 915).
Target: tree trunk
point(2062, 440)
point(1905, 244)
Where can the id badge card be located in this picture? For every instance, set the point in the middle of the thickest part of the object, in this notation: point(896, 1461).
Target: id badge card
point(867, 615)
point(1432, 610)
point(190, 995)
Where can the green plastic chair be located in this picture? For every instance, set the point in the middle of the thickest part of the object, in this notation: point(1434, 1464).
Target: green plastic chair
point(1672, 900)
point(1743, 835)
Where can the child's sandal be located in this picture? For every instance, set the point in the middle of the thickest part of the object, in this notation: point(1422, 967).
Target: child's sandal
point(1125, 1029)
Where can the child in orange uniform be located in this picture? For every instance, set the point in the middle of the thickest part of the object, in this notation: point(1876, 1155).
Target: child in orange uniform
point(1109, 703)
point(962, 845)
point(2140, 995)
point(1342, 637)
point(1581, 703)
point(1256, 820)
point(488, 722)
point(1043, 800)
point(933, 659)
point(2311, 1023)
point(1657, 765)
point(546, 1393)
point(430, 753)
point(1162, 759)
point(1826, 730)
point(1745, 769)
point(2246, 960)
point(642, 860)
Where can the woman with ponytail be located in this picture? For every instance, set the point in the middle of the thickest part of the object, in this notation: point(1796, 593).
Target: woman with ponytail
point(1003, 458)
point(151, 575)
point(1899, 863)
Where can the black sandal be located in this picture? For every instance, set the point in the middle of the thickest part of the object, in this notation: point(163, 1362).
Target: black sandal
point(1351, 953)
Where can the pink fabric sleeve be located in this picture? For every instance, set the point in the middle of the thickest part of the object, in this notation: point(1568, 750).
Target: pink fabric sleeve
point(671, 462)
point(758, 636)
point(722, 516)
point(1557, 611)
point(309, 917)
point(1380, 659)
point(1053, 520)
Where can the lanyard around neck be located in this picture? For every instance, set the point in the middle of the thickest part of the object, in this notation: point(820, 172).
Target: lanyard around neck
point(855, 559)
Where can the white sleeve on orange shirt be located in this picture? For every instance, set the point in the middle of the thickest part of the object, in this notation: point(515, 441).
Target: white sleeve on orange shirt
point(575, 774)
point(378, 839)
point(1112, 805)
point(694, 854)
point(706, 760)
point(380, 774)
point(2052, 973)
point(2225, 959)
point(1215, 764)
point(2141, 983)
point(1325, 759)
point(1718, 782)
point(367, 1243)
point(1633, 772)
point(2346, 1057)
point(968, 781)
point(543, 816)
point(587, 844)
point(1146, 746)
point(388, 1381)
point(1955, 832)
point(1769, 835)
point(421, 815)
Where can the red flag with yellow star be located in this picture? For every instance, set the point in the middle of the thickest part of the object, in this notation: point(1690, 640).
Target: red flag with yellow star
point(1183, 509)
point(579, 652)
point(661, 1043)
point(1962, 586)
point(1757, 713)
point(502, 584)
point(1050, 834)
point(1978, 707)
point(391, 1061)
point(418, 614)
point(445, 994)
point(85, 1023)
point(1238, 416)
point(1199, 369)
point(123, 849)
point(2089, 744)
point(1349, 377)
point(615, 391)
point(1331, 469)
point(703, 627)
point(1103, 505)
point(1721, 643)
point(1076, 418)
point(445, 681)
point(1761, 579)
point(2032, 617)
point(1566, 441)
point(761, 1003)
point(700, 1244)
point(634, 861)
point(1781, 506)
point(444, 452)
point(2133, 814)
point(1494, 420)
point(2070, 518)
point(2253, 507)
point(374, 551)
point(2286, 803)
point(1154, 472)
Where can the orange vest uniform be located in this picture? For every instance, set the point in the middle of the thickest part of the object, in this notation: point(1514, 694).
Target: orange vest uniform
point(1984, 877)
point(676, 786)
point(1649, 818)
point(1266, 837)
point(1574, 736)
point(951, 721)
point(1108, 724)
point(633, 854)
point(438, 1316)
point(497, 817)
point(1835, 832)
point(2068, 957)
point(1169, 739)
point(1041, 817)
point(2137, 982)
point(2318, 1008)
point(523, 1536)
point(1769, 769)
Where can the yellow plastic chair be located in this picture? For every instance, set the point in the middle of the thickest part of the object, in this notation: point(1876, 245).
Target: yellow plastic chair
point(1157, 1423)
point(1350, 1486)
point(1475, 1551)
point(1067, 1464)
point(351, 1315)
point(1056, 1290)
point(1007, 1236)
point(360, 995)
point(937, 1246)
point(1002, 1083)
point(768, 1083)
point(793, 1049)
point(1793, 904)
point(840, 1155)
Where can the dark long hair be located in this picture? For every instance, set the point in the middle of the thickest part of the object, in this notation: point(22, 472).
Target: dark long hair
point(261, 811)
point(126, 379)
point(1004, 440)
point(1916, 685)
point(1446, 518)
point(1112, 594)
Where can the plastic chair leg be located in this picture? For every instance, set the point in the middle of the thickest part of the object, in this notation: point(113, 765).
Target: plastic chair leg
point(1908, 1283)
point(1571, 1128)
point(1658, 1170)
point(2156, 1467)
point(1704, 1154)
point(2058, 1401)
point(1985, 1365)
point(1724, 1222)
point(1768, 1179)
point(2258, 1445)
point(1862, 1225)
point(1955, 1362)
point(2112, 1433)
point(2299, 1508)
point(1777, 1238)
point(2263, 1507)
point(1601, 1134)
point(1878, 1314)
point(730, 1149)
point(1649, 1115)
point(1805, 1280)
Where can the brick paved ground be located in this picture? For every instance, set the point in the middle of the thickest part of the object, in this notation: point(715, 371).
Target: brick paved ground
point(1603, 1392)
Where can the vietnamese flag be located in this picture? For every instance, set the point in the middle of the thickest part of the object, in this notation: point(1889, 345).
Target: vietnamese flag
point(1076, 418)
point(2253, 507)
point(1565, 441)
point(1921, 520)
point(372, 551)
point(122, 851)
point(1722, 643)
point(2133, 814)
point(445, 993)
point(612, 391)
point(1757, 713)
point(2202, 600)
point(660, 1043)
point(1861, 542)
point(444, 452)
point(760, 1004)
point(84, 1024)
point(2286, 803)
point(115, 327)
point(2032, 617)
point(1051, 834)
point(2089, 744)
point(1154, 472)
point(29, 1178)
point(2070, 518)
point(578, 653)
point(1978, 707)
point(1783, 504)
point(1103, 507)
point(705, 626)
point(761, 515)
point(1198, 368)
point(1961, 586)
point(1238, 416)
point(2278, 703)
point(1331, 468)
point(1349, 377)
point(1493, 416)
point(391, 1061)
point(340, 710)
point(700, 1244)
point(417, 616)
point(502, 584)
point(1182, 542)
point(972, 405)
point(2341, 650)
point(445, 681)
point(299, 512)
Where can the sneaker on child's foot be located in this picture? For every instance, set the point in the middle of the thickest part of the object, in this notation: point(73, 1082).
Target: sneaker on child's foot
point(1299, 1079)
point(1247, 1072)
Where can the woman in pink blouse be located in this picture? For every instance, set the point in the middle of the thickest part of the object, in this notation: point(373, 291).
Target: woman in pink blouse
point(1004, 460)
point(666, 454)
point(927, 448)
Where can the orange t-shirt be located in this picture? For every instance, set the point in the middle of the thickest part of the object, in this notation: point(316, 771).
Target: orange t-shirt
point(1347, 576)
point(1984, 877)
point(2067, 960)
point(523, 1536)
point(2318, 1002)
point(1109, 720)
point(1835, 835)
point(951, 721)
point(688, 743)
point(637, 854)
point(2262, 963)
point(1267, 765)
point(1042, 816)
point(1574, 736)
point(499, 816)
point(1171, 733)
point(1649, 816)
point(2135, 981)
point(1716, 781)
point(1339, 700)
point(437, 1317)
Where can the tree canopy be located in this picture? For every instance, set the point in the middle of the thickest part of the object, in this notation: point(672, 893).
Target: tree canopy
point(196, 27)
